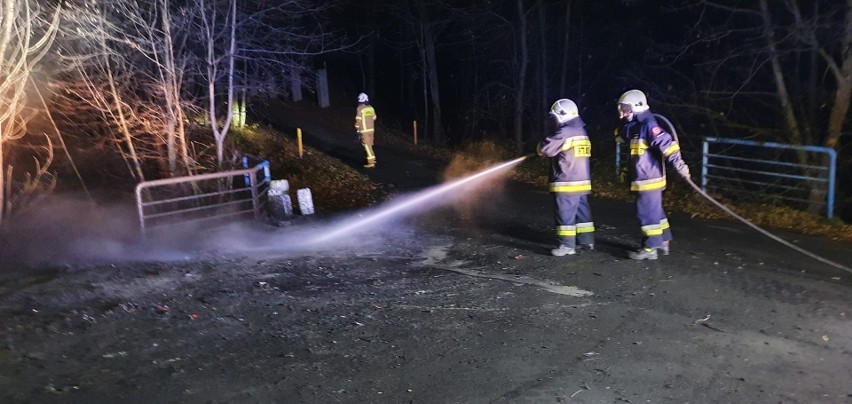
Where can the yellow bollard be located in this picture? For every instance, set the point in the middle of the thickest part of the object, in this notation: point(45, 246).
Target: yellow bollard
point(415, 132)
point(299, 140)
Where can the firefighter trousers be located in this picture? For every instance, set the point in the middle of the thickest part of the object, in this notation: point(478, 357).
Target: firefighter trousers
point(574, 223)
point(652, 219)
point(367, 143)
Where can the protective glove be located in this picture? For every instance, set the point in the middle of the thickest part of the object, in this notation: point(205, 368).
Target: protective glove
point(684, 171)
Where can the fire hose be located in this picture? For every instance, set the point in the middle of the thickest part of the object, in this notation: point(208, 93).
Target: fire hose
point(765, 232)
point(747, 222)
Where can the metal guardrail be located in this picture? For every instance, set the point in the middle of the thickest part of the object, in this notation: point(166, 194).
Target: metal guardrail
point(768, 170)
point(761, 174)
point(202, 197)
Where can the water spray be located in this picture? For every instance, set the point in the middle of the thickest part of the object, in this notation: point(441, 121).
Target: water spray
point(415, 200)
point(746, 221)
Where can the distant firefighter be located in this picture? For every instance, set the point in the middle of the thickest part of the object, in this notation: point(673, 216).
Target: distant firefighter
point(649, 145)
point(365, 124)
point(569, 150)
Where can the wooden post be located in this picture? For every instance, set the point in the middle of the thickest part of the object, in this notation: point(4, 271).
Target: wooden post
point(299, 140)
point(415, 132)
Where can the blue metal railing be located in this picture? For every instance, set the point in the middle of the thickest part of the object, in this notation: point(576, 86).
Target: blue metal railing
point(766, 177)
point(759, 169)
point(202, 197)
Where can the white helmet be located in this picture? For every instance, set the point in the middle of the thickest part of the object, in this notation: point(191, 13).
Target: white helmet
point(363, 97)
point(632, 101)
point(564, 110)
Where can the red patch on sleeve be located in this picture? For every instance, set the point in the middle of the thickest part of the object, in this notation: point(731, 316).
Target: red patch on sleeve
point(656, 131)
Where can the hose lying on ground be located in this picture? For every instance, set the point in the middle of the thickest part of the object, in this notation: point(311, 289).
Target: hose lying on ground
point(742, 219)
point(765, 232)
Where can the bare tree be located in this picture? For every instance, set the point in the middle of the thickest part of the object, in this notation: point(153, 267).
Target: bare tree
point(125, 61)
point(771, 46)
point(27, 32)
point(219, 27)
point(258, 36)
point(522, 61)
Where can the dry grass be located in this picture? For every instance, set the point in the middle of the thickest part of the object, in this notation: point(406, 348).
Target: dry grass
point(340, 185)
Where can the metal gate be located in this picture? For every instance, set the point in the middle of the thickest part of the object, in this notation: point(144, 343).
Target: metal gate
point(205, 197)
point(769, 171)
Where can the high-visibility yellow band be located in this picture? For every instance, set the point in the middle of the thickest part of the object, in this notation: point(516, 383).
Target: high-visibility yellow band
point(648, 185)
point(652, 230)
point(571, 189)
point(571, 186)
point(638, 147)
point(582, 230)
point(673, 148)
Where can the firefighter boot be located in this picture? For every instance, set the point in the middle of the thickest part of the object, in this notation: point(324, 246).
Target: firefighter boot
point(643, 254)
point(562, 251)
point(370, 164)
point(665, 248)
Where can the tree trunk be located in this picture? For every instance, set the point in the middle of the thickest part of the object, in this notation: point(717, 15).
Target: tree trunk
point(2, 178)
point(371, 68)
point(435, 95)
point(427, 125)
point(778, 74)
point(7, 22)
point(542, 22)
point(563, 77)
point(843, 93)
point(7, 18)
point(521, 80)
point(220, 134)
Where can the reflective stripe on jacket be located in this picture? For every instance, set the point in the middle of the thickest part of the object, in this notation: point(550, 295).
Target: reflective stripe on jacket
point(569, 149)
point(365, 118)
point(649, 144)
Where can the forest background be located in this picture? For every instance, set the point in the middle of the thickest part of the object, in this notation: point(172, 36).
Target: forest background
point(100, 95)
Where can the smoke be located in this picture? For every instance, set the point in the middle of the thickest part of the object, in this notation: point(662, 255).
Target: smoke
point(76, 232)
point(59, 230)
point(480, 196)
point(441, 195)
point(72, 231)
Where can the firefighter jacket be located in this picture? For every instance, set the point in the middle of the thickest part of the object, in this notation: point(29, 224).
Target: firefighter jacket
point(365, 119)
point(649, 145)
point(569, 149)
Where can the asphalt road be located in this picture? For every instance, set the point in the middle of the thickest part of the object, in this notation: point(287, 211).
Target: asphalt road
point(453, 303)
point(730, 316)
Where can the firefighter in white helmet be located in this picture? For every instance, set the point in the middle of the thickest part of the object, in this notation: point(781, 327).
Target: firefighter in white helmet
point(569, 150)
point(365, 124)
point(649, 146)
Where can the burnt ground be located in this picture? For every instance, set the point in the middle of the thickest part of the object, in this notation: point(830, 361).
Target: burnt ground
point(450, 304)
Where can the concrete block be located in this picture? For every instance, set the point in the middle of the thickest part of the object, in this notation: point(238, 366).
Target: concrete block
point(306, 201)
point(279, 187)
point(280, 206)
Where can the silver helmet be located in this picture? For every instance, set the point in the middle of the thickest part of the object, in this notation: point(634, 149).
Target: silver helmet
point(633, 101)
point(564, 110)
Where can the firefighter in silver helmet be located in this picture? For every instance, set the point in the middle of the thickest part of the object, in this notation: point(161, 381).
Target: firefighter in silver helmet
point(650, 145)
point(365, 124)
point(569, 150)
